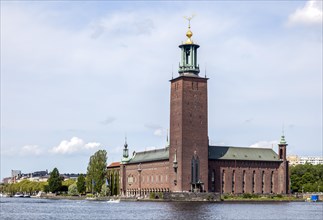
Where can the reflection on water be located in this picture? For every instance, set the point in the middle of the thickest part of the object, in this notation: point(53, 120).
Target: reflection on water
point(30, 208)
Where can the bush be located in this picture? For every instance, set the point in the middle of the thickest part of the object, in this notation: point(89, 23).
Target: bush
point(160, 195)
point(152, 195)
point(250, 196)
point(247, 196)
point(105, 191)
point(72, 190)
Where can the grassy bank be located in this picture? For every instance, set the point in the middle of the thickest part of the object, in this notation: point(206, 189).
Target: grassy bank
point(255, 197)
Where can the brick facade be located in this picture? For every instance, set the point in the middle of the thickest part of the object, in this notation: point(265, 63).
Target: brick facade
point(237, 177)
point(189, 167)
point(141, 179)
point(188, 130)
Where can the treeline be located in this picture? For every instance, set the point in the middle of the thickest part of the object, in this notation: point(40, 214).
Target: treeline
point(55, 184)
point(97, 181)
point(306, 178)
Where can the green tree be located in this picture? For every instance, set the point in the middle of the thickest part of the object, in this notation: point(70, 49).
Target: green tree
point(54, 181)
point(81, 184)
point(307, 177)
point(72, 190)
point(68, 182)
point(105, 191)
point(96, 171)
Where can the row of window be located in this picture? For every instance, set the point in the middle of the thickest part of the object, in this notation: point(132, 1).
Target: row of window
point(195, 86)
point(244, 180)
point(148, 179)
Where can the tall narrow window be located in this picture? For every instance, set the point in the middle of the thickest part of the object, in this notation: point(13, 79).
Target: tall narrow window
point(253, 181)
point(213, 181)
point(244, 182)
point(195, 170)
point(233, 179)
point(263, 181)
point(223, 180)
point(272, 182)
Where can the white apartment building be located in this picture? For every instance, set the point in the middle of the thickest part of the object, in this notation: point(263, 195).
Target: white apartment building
point(294, 160)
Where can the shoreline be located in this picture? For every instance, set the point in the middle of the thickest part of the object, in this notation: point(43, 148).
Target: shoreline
point(124, 199)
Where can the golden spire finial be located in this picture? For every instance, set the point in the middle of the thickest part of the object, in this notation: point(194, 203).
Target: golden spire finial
point(189, 33)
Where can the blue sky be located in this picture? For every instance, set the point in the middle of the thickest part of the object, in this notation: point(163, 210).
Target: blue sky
point(79, 76)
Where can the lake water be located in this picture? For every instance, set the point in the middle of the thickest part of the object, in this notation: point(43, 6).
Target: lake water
point(32, 208)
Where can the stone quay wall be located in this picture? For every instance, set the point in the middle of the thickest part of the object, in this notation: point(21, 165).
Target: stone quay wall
point(191, 196)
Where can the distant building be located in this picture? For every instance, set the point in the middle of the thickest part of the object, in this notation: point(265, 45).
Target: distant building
point(15, 174)
point(37, 176)
point(6, 180)
point(295, 160)
point(72, 176)
point(188, 163)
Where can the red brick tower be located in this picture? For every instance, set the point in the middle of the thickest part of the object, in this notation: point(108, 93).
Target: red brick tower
point(283, 168)
point(188, 155)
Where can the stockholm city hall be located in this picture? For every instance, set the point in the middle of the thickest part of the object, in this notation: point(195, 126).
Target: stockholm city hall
point(188, 163)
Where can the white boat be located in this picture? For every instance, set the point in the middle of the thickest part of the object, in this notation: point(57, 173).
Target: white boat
point(114, 201)
point(3, 195)
point(18, 195)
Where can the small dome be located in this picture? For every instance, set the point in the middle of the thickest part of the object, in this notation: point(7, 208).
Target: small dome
point(189, 33)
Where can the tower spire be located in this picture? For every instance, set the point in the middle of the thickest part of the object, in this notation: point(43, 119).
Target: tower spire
point(125, 151)
point(189, 33)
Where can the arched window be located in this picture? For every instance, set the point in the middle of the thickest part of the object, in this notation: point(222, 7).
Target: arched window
point(263, 181)
point(253, 181)
point(233, 179)
point(272, 182)
point(244, 182)
point(223, 180)
point(195, 174)
point(213, 180)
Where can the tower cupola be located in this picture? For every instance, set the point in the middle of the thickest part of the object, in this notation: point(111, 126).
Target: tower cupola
point(125, 153)
point(188, 65)
point(282, 148)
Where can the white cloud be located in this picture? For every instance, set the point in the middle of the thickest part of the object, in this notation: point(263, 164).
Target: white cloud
point(159, 132)
point(92, 145)
point(74, 145)
point(310, 14)
point(264, 144)
point(31, 150)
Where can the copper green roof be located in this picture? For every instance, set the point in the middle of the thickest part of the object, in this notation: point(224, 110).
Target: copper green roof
point(149, 156)
point(242, 153)
point(282, 140)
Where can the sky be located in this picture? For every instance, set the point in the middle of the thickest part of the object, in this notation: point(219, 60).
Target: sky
point(79, 76)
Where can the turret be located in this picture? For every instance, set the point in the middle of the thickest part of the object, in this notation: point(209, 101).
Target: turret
point(282, 148)
point(125, 152)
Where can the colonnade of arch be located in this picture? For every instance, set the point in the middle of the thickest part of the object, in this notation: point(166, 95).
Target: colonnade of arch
point(145, 192)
